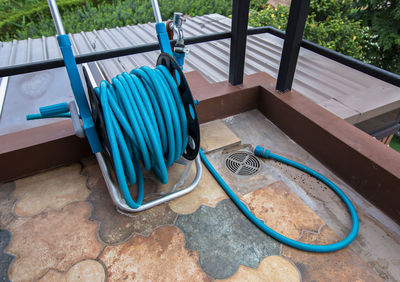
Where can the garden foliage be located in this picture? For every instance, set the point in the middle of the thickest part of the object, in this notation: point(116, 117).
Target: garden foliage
point(328, 24)
point(383, 19)
point(361, 29)
point(20, 19)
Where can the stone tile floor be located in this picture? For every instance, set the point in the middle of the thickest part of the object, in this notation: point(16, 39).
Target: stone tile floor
point(60, 225)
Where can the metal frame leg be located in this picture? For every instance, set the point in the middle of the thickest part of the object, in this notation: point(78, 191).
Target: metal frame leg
point(120, 202)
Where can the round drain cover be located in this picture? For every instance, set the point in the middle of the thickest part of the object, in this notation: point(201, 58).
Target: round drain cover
point(242, 163)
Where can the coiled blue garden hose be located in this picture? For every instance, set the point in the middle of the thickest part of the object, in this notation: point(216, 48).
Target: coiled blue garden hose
point(146, 122)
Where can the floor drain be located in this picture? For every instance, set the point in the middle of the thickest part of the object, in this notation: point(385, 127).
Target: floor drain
point(242, 163)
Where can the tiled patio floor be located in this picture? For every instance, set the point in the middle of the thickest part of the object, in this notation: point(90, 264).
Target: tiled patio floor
point(60, 225)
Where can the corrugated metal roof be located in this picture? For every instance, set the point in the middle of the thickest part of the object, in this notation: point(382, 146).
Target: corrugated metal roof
point(346, 92)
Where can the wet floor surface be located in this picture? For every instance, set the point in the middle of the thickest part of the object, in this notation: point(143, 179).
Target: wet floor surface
point(61, 225)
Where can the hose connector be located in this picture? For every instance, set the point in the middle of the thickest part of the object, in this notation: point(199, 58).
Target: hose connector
point(176, 25)
point(179, 50)
point(261, 152)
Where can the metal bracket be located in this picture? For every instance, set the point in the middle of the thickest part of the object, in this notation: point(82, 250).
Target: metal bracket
point(179, 49)
point(176, 26)
point(76, 121)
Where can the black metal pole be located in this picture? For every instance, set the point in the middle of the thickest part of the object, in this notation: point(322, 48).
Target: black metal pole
point(240, 17)
point(291, 46)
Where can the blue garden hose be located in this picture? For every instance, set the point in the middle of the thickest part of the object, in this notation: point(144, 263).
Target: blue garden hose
point(40, 116)
point(146, 122)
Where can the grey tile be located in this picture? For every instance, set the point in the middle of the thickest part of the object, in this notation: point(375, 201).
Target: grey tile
point(225, 238)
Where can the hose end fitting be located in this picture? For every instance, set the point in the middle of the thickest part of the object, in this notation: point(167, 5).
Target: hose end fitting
point(261, 152)
point(258, 151)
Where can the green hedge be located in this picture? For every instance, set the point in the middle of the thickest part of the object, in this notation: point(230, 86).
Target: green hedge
point(336, 24)
point(32, 19)
point(17, 15)
point(327, 25)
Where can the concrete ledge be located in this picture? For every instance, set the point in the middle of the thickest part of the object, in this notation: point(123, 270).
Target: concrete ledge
point(28, 151)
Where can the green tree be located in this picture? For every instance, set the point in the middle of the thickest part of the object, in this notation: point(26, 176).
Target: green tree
point(383, 19)
point(329, 24)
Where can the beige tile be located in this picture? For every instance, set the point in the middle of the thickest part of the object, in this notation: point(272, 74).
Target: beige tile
point(160, 257)
point(87, 270)
point(90, 167)
point(282, 210)
point(343, 265)
point(272, 268)
point(51, 189)
point(216, 135)
point(208, 192)
point(53, 239)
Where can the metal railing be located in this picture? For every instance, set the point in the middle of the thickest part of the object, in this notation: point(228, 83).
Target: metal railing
point(237, 48)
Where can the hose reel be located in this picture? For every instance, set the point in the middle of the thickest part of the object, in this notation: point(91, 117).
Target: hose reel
point(166, 60)
point(93, 76)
